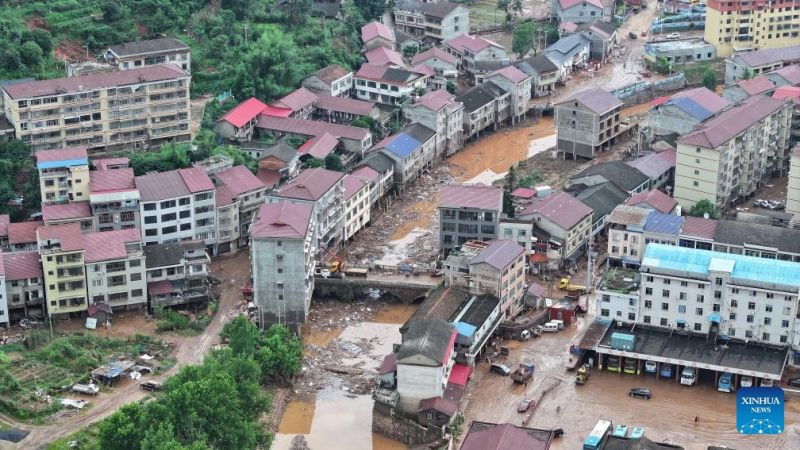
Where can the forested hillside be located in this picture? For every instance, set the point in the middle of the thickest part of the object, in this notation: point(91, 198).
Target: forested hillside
point(251, 47)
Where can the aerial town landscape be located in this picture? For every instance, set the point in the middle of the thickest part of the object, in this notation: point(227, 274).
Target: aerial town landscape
point(413, 224)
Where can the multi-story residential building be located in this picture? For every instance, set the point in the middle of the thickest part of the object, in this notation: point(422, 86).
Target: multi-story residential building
point(684, 51)
point(729, 156)
point(468, 213)
point(736, 26)
point(62, 251)
point(177, 273)
point(617, 295)
point(356, 205)
point(602, 34)
point(569, 53)
point(283, 260)
point(439, 111)
point(499, 269)
point(22, 236)
point(324, 190)
point(587, 123)
point(518, 84)
point(658, 167)
point(439, 20)
point(602, 198)
point(239, 123)
point(128, 109)
point(24, 285)
point(579, 11)
point(765, 84)
point(355, 140)
point(544, 74)
point(719, 294)
point(682, 112)
point(227, 216)
point(115, 269)
point(63, 175)
point(376, 34)
point(300, 102)
point(519, 231)
point(562, 226)
point(622, 175)
point(177, 205)
point(114, 199)
point(387, 85)
point(747, 65)
point(133, 55)
point(626, 235)
point(791, 93)
point(412, 150)
point(442, 63)
point(474, 49)
point(5, 220)
point(382, 56)
point(75, 212)
point(793, 190)
point(486, 105)
point(333, 80)
point(384, 166)
point(372, 179)
point(247, 191)
point(344, 110)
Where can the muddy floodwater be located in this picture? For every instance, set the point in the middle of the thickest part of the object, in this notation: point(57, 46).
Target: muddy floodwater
point(334, 418)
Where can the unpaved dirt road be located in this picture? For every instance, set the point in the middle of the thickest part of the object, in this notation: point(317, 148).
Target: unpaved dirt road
point(233, 271)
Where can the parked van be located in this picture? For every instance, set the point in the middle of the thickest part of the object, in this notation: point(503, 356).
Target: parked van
point(725, 383)
point(688, 376)
point(550, 327)
point(666, 370)
point(746, 382)
point(560, 323)
point(766, 382)
point(629, 366)
point(650, 366)
point(612, 363)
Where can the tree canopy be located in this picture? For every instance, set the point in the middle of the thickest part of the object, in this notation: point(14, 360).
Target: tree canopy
point(523, 38)
point(703, 207)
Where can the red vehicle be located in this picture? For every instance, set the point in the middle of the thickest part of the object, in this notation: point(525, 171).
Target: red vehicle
point(525, 405)
point(247, 290)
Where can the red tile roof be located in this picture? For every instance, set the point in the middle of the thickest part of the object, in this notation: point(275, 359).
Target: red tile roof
point(436, 100)
point(98, 80)
point(352, 185)
point(382, 56)
point(423, 69)
point(790, 74)
point(23, 265)
point(655, 198)
point(389, 364)
point(319, 146)
point(524, 193)
point(160, 287)
point(499, 254)
point(105, 163)
point(655, 164)
point(699, 227)
point(74, 210)
point(785, 92)
point(366, 173)
point(562, 209)
point(244, 112)
point(23, 232)
point(276, 111)
point(434, 53)
point(756, 85)
point(311, 127)
point(565, 4)
point(5, 219)
point(282, 220)
point(374, 30)
point(111, 180)
point(706, 98)
point(478, 197)
point(196, 179)
point(297, 100)
point(471, 43)
point(440, 404)
point(345, 105)
point(490, 436)
point(161, 186)
point(511, 73)
point(732, 122)
point(69, 236)
point(224, 196)
point(239, 180)
point(270, 178)
point(310, 184)
point(62, 154)
point(569, 27)
point(108, 245)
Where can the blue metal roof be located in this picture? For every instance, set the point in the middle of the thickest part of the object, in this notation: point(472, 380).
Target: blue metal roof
point(658, 222)
point(403, 145)
point(692, 108)
point(62, 163)
point(465, 329)
point(744, 267)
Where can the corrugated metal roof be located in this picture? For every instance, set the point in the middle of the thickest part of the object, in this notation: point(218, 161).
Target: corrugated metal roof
point(62, 154)
point(374, 30)
point(297, 100)
point(282, 220)
point(68, 235)
point(111, 180)
point(477, 197)
point(692, 108)
point(562, 209)
point(74, 210)
point(383, 56)
point(699, 227)
point(629, 215)
point(400, 144)
point(597, 99)
point(658, 222)
point(732, 122)
point(310, 184)
point(161, 186)
point(655, 198)
point(239, 180)
point(23, 232)
point(22, 265)
point(499, 254)
point(108, 245)
point(244, 112)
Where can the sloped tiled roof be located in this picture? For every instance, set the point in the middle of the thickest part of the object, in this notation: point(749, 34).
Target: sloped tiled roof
point(161, 186)
point(107, 163)
point(244, 112)
point(73, 210)
point(319, 146)
point(767, 56)
point(5, 219)
point(62, 154)
point(505, 436)
point(366, 173)
point(510, 73)
point(310, 184)
point(477, 197)
point(282, 220)
point(435, 100)
point(375, 30)
point(297, 100)
point(23, 232)
point(107, 245)
point(427, 342)
point(756, 85)
point(602, 198)
point(69, 236)
point(629, 215)
point(732, 122)
point(239, 180)
point(597, 99)
point(112, 180)
point(439, 404)
point(331, 73)
point(499, 254)
point(22, 265)
point(626, 177)
point(785, 92)
point(382, 56)
point(704, 98)
point(479, 96)
point(439, 9)
point(790, 73)
point(658, 200)
point(196, 179)
point(224, 196)
point(655, 164)
point(566, 4)
point(699, 227)
point(345, 105)
point(311, 127)
point(434, 53)
point(472, 43)
point(561, 208)
point(352, 185)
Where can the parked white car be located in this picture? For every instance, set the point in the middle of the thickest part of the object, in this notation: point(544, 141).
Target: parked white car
point(746, 382)
point(673, 36)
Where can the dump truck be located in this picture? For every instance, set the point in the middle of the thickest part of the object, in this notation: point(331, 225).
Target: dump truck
point(567, 286)
point(522, 373)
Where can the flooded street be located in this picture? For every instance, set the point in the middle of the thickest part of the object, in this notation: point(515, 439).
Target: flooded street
point(322, 416)
point(668, 417)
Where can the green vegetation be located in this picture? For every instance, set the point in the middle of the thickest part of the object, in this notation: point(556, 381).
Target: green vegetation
point(216, 404)
point(168, 319)
point(530, 179)
point(709, 79)
point(18, 176)
point(524, 38)
point(173, 156)
point(334, 162)
point(312, 163)
point(703, 207)
point(508, 188)
point(48, 365)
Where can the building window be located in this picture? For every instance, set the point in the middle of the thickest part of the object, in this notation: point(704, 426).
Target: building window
point(717, 295)
point(732, 316)
point(681, 309)
point(751, 306)
point(604, 312)
point(699, 311)
point(765, 337)
point(149, 206)
point(767, 321)
point(646, 319)
point(665, 306)
point(664, 322)
point(700, 298)
point(748, 334)
point(784, 338)
point(784, 324)
point(698, 326)
point(665, 293)
point(718, 281)
point(648, 291)
point(136, 293)
point(682, 296)
point(750, 318)
point(648, 304)
point(684, 284)
point(734, 303)
point(667, 281)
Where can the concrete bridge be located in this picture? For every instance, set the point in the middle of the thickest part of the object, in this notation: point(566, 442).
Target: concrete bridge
point(350, 289)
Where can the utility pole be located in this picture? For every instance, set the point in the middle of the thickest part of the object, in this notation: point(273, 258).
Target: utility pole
point(246, 29)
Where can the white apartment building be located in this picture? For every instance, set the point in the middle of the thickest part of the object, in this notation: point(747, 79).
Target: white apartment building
point(247, 192)
point(439, 111)
point(63, 175)
point(115, 269)
point(617, 295)
point(387, 85)
point(177, 205)
point(626, 234)
point(227, 220)
point(518, 84)
point(283, 249)
point(499, 269)
point(519, 231)
point(737, 296)
point(793, 190)
point(324, 190)
point(177, 273)
point(333, 80)
point(356, 205)
point(114, 199)
point(132, 55)
point(24, 285)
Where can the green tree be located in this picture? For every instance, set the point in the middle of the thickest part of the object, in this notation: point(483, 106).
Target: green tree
point(503, 5)
point(42, 38)
point(451, 87)
point(312, 163)
point(30, 53)
point(243, 337)
point(508, 188)
point(10, 59)
point(747, 74)
point(709, 79)
point(280, 354)
point(370, 9)
point(703, 207)
point(523, 38)
point(334, 162)
point(112, 11)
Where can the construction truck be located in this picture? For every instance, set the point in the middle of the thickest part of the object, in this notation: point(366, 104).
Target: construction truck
point(522, 373)
point(565, 285)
